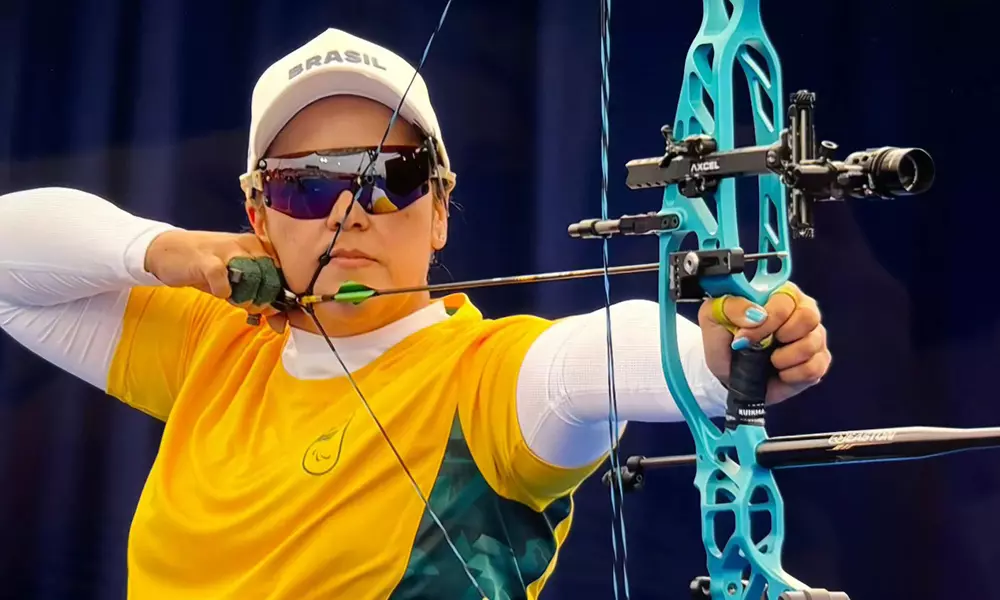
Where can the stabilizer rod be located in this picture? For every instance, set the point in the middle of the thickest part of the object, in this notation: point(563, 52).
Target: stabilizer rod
point(819, 449)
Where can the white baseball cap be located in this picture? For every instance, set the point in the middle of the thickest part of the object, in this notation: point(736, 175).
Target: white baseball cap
point(333, 63)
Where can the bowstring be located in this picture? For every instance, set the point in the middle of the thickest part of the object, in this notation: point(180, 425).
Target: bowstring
point(617, 503)
point(310, 310)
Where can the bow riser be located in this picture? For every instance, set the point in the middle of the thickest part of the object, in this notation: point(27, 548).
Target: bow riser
point(742, 515)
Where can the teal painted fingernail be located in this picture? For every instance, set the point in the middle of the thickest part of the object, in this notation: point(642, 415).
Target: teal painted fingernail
point(756, 314)
point(741, 343)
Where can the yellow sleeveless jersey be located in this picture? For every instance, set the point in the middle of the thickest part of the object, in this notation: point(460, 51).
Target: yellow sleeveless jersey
point(266, 486)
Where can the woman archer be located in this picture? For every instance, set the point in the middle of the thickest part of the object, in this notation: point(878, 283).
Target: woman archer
point(272, 479)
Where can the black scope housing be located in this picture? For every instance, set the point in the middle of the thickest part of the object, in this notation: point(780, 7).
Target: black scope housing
point(893, 172)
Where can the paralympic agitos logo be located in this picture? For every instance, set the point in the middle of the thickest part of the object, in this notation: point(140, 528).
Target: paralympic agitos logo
point(323, 453)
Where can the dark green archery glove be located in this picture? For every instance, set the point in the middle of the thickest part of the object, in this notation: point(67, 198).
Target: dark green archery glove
point(255, 280)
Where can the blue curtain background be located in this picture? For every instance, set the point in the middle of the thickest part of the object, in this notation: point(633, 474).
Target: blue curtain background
point(147, 104)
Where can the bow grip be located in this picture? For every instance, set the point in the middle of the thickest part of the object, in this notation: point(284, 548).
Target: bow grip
point(749, 373)
point(255, 280)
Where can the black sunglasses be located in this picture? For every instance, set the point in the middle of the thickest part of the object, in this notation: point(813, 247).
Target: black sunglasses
point(307, 187)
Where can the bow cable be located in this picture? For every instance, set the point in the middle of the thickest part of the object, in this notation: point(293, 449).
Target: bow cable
point(617, 495)
point(310, 310)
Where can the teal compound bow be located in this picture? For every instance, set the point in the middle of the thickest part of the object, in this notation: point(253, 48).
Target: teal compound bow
point(735, 463)
point(742, 509)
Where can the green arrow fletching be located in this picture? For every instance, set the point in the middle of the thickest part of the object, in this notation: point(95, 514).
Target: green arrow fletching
point(352, 292)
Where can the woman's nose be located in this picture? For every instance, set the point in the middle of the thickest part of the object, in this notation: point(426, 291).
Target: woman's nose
point(347, 212)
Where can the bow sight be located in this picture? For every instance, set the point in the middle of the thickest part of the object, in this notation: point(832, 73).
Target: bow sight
point(806, 168)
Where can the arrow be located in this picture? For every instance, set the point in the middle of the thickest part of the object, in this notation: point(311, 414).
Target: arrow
point(352, 292)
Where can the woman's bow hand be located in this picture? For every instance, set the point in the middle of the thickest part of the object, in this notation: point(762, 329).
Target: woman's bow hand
point(801, 358)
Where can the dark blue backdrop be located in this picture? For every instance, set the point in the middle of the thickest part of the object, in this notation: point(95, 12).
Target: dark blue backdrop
point(147, 103)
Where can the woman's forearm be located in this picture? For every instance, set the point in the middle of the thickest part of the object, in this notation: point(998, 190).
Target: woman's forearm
point(562, 394)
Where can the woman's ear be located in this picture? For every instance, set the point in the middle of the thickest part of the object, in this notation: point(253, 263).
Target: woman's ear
point(256, 217)
point(258, 221)
point(439, 227)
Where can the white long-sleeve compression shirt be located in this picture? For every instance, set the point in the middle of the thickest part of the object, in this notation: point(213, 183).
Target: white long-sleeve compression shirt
point(68, 259)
